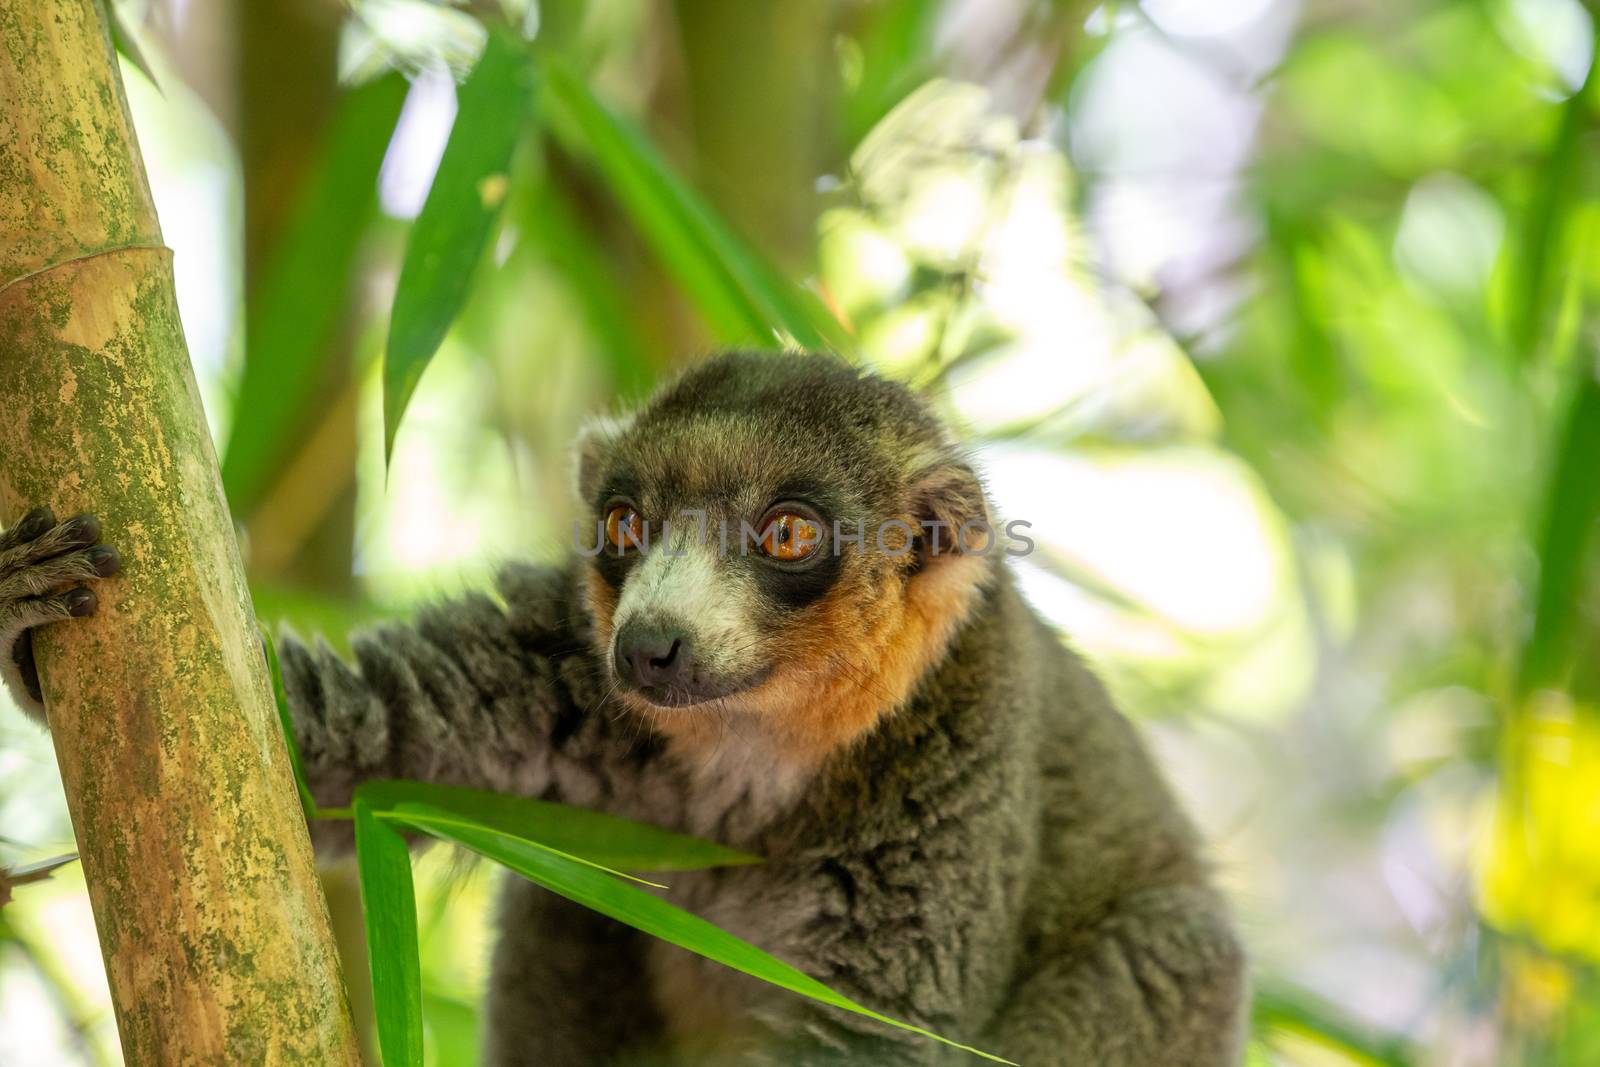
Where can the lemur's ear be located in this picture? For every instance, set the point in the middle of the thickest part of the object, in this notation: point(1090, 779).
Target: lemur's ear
point(948, 501)
point(595, 440)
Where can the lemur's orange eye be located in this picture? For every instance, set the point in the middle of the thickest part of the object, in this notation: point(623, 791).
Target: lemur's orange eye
point(789, 536)
point(624, 527)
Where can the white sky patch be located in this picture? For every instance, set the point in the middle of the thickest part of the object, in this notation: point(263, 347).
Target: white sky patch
point(1559, 33)
point(1449, 236)
point(1205, 18)
point(1184, 532)
point(419, 139)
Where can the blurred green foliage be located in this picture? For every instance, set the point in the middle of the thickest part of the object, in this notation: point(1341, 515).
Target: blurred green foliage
point(1278, 320)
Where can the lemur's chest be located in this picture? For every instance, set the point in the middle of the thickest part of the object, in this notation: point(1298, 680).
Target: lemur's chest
point(734, 792)
point(734, 787)
point(708, 1006)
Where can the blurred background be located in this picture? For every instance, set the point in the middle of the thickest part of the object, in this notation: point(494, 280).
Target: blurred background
point(1278, 319)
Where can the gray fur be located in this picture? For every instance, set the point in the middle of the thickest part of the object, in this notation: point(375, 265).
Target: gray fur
point(999, 862)
point(997, 859)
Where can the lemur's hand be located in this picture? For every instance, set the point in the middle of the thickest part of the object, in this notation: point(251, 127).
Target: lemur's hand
point(43, 570)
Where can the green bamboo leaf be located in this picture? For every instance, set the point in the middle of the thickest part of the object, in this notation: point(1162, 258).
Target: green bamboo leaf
point(39, 870)
point(552, 222)
point(455, 224)
point(127, 45)
point(1284, 1009)
point(1572, 512)
point(293, 311)
point(280, 697)
point(626, 903)
point(453, 1030)
point(744, 299)
point(437, 821)
point(1552, 203)
point(605, 840)
point(654, 198)
point(896, 55)
point(390, 904)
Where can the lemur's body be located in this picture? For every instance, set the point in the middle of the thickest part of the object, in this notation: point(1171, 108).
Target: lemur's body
point(959, 829)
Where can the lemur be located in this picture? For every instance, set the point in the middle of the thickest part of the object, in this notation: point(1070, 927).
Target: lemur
point(958, 829)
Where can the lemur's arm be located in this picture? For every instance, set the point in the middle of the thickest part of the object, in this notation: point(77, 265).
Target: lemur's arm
point(472, 693)
point(1158, 981)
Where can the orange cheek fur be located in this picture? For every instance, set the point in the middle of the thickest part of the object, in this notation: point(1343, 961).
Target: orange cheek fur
point(856, 661)
point(879, 643)
point(601, 600)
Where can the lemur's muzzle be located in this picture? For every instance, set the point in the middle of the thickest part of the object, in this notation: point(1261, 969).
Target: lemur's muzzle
point(655, 658)
point(659, 662)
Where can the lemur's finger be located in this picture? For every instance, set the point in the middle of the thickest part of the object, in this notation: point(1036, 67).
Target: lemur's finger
point(81, 531)
point(56, 572)
point(28, 612)
point(25, 529)
point(17, 620)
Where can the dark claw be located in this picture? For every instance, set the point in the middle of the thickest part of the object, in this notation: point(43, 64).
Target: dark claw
point(35, 524)
point(82, 530)
point(106, 561)
point(81, 603)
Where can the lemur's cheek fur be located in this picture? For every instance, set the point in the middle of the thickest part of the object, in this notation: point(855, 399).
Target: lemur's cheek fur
point(873, 640)
point(600, 598)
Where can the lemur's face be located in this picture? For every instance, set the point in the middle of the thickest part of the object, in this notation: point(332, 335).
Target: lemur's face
point(763, 547)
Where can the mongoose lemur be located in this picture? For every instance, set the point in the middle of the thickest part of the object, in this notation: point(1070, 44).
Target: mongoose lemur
point(825, 663)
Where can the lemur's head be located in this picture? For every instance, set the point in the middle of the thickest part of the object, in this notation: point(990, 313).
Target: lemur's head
point(779, 536)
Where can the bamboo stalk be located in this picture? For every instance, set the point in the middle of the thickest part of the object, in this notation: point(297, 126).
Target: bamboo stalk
point(214, 931)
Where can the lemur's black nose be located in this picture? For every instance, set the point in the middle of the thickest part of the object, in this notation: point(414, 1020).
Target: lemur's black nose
point(649, 657)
